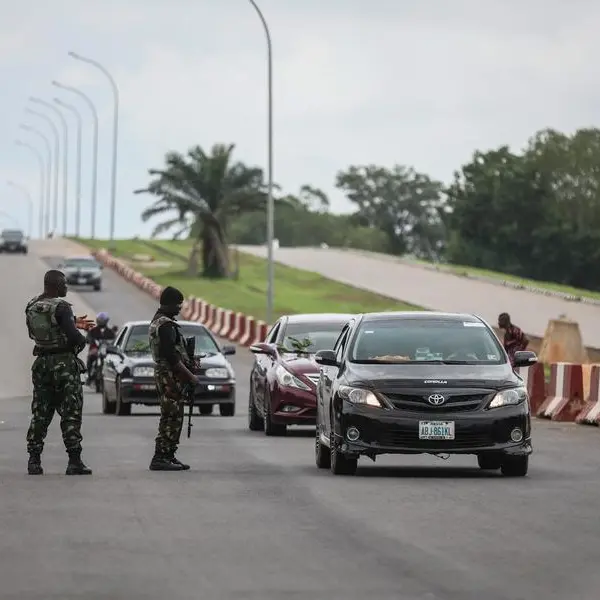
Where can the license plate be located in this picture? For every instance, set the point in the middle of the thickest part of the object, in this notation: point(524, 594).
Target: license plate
point(81, 280)
point(147, 387)
point(436, 430)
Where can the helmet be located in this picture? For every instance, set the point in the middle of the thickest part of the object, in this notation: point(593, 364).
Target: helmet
point(102, 319)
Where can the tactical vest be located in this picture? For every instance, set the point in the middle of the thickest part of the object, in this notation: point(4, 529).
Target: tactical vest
point(42, 326)
point(155, 342)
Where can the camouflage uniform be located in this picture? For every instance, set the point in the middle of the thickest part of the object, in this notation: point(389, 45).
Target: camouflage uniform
point(56, 382)
point(169, 390)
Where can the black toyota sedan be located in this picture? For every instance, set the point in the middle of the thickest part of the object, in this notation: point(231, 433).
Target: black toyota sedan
point(421, 383)
point(128, 371)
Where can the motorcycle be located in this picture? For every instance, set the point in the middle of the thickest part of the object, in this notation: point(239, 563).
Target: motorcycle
point(98, 350)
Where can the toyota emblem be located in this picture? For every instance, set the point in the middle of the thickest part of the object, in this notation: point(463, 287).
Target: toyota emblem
point(436, 399)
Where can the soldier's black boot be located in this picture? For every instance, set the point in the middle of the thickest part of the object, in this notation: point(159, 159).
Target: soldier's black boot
point(34, 466)
point(76, 466)
point(177, 462)
point(162, 462)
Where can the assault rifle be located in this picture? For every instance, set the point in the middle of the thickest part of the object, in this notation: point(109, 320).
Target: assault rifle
point(189, 389)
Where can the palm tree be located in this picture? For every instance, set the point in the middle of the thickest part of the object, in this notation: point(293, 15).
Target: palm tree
point(203, 191)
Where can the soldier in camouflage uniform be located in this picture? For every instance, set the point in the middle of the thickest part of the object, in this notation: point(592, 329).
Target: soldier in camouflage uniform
point(171, 371)
point(56, 372)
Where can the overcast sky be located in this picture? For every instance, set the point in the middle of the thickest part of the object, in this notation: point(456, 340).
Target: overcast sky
point(417, 82)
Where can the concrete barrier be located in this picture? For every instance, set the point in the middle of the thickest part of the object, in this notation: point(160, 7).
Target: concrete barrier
point(590, 415)
point(565, 397)
point(534, 381)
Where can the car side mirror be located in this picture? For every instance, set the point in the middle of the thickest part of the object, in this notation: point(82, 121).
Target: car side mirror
point(525, 358)
point(263, 348)
point(228, 350)
point(111, 349)
point(326, 358)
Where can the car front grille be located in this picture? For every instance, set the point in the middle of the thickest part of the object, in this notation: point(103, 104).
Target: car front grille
point(410, 439)
point(452, 403)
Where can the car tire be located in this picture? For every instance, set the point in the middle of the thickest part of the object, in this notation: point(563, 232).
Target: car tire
point(97, 287)
point(322, 453)
point(205, 409)
point(108, 407)
point(340, 464)
point(515, 466)
point(227, 410)
point(123, 409)
point(255, 421)
point(272, 429)
point(489, 462)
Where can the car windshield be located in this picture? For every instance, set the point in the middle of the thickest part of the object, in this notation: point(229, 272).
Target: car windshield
point(12, 235)
point(139, 342)
point(78, 263)
point(311, 337)
point(426, 340)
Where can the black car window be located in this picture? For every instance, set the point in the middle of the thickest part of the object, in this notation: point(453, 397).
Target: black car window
point(420, 340)
point(139, 341)
point(313, 336)
point(341, 345)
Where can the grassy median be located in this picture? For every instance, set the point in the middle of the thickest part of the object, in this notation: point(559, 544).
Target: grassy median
point(296, 291)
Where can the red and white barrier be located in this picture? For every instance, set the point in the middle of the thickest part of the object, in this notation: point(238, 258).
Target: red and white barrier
point(590, 415)
point(249, 334)
point(228, 323)
point(238, 328)
point(565, 398)
point(535, 382)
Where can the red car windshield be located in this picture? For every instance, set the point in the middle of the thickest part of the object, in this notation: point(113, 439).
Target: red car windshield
point(318, 336)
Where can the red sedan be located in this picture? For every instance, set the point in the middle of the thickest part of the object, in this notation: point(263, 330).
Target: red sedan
point(284, 377)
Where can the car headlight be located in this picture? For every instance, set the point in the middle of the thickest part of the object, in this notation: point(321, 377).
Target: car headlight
point(286, 379)
point(359, 396)
point(509, 397)
point(217, 373)
point(143, 372)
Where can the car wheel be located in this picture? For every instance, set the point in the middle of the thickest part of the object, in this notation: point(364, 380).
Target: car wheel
point(205, 409)
point(340, 464)
point(255, 421)
point(322, 453)
point(227, 410)
point(97, 287)
point(515, 466)
point(108, 407)
point(270, 428)
point(123, 408)
point(489, 462)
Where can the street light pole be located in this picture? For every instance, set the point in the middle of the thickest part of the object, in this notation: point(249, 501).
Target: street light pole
point(115, 89)
point(270, 201)
point(92, 107)
point(77, 114)
point(30, 202)
point(65, 154)
point(56, 161)
point(45, 177)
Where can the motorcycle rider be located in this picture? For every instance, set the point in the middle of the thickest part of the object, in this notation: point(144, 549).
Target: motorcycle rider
point(101, 332)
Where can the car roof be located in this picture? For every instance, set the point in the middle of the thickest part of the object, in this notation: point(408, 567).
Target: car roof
point(318, 318)
point(420, 315)
point(148, 321)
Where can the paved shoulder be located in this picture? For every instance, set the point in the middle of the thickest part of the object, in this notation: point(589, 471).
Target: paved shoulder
point(439, 291)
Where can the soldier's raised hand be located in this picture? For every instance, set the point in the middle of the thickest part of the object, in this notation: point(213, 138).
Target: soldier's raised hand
point(84, 323)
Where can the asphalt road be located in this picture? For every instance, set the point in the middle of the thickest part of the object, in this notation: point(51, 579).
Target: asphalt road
point(254, 519)
point(440, 291)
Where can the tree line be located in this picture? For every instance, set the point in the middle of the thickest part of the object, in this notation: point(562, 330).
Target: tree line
point(533, 213)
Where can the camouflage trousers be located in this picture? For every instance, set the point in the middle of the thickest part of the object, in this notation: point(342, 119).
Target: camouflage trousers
point(56, 388)
point(170, 425)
